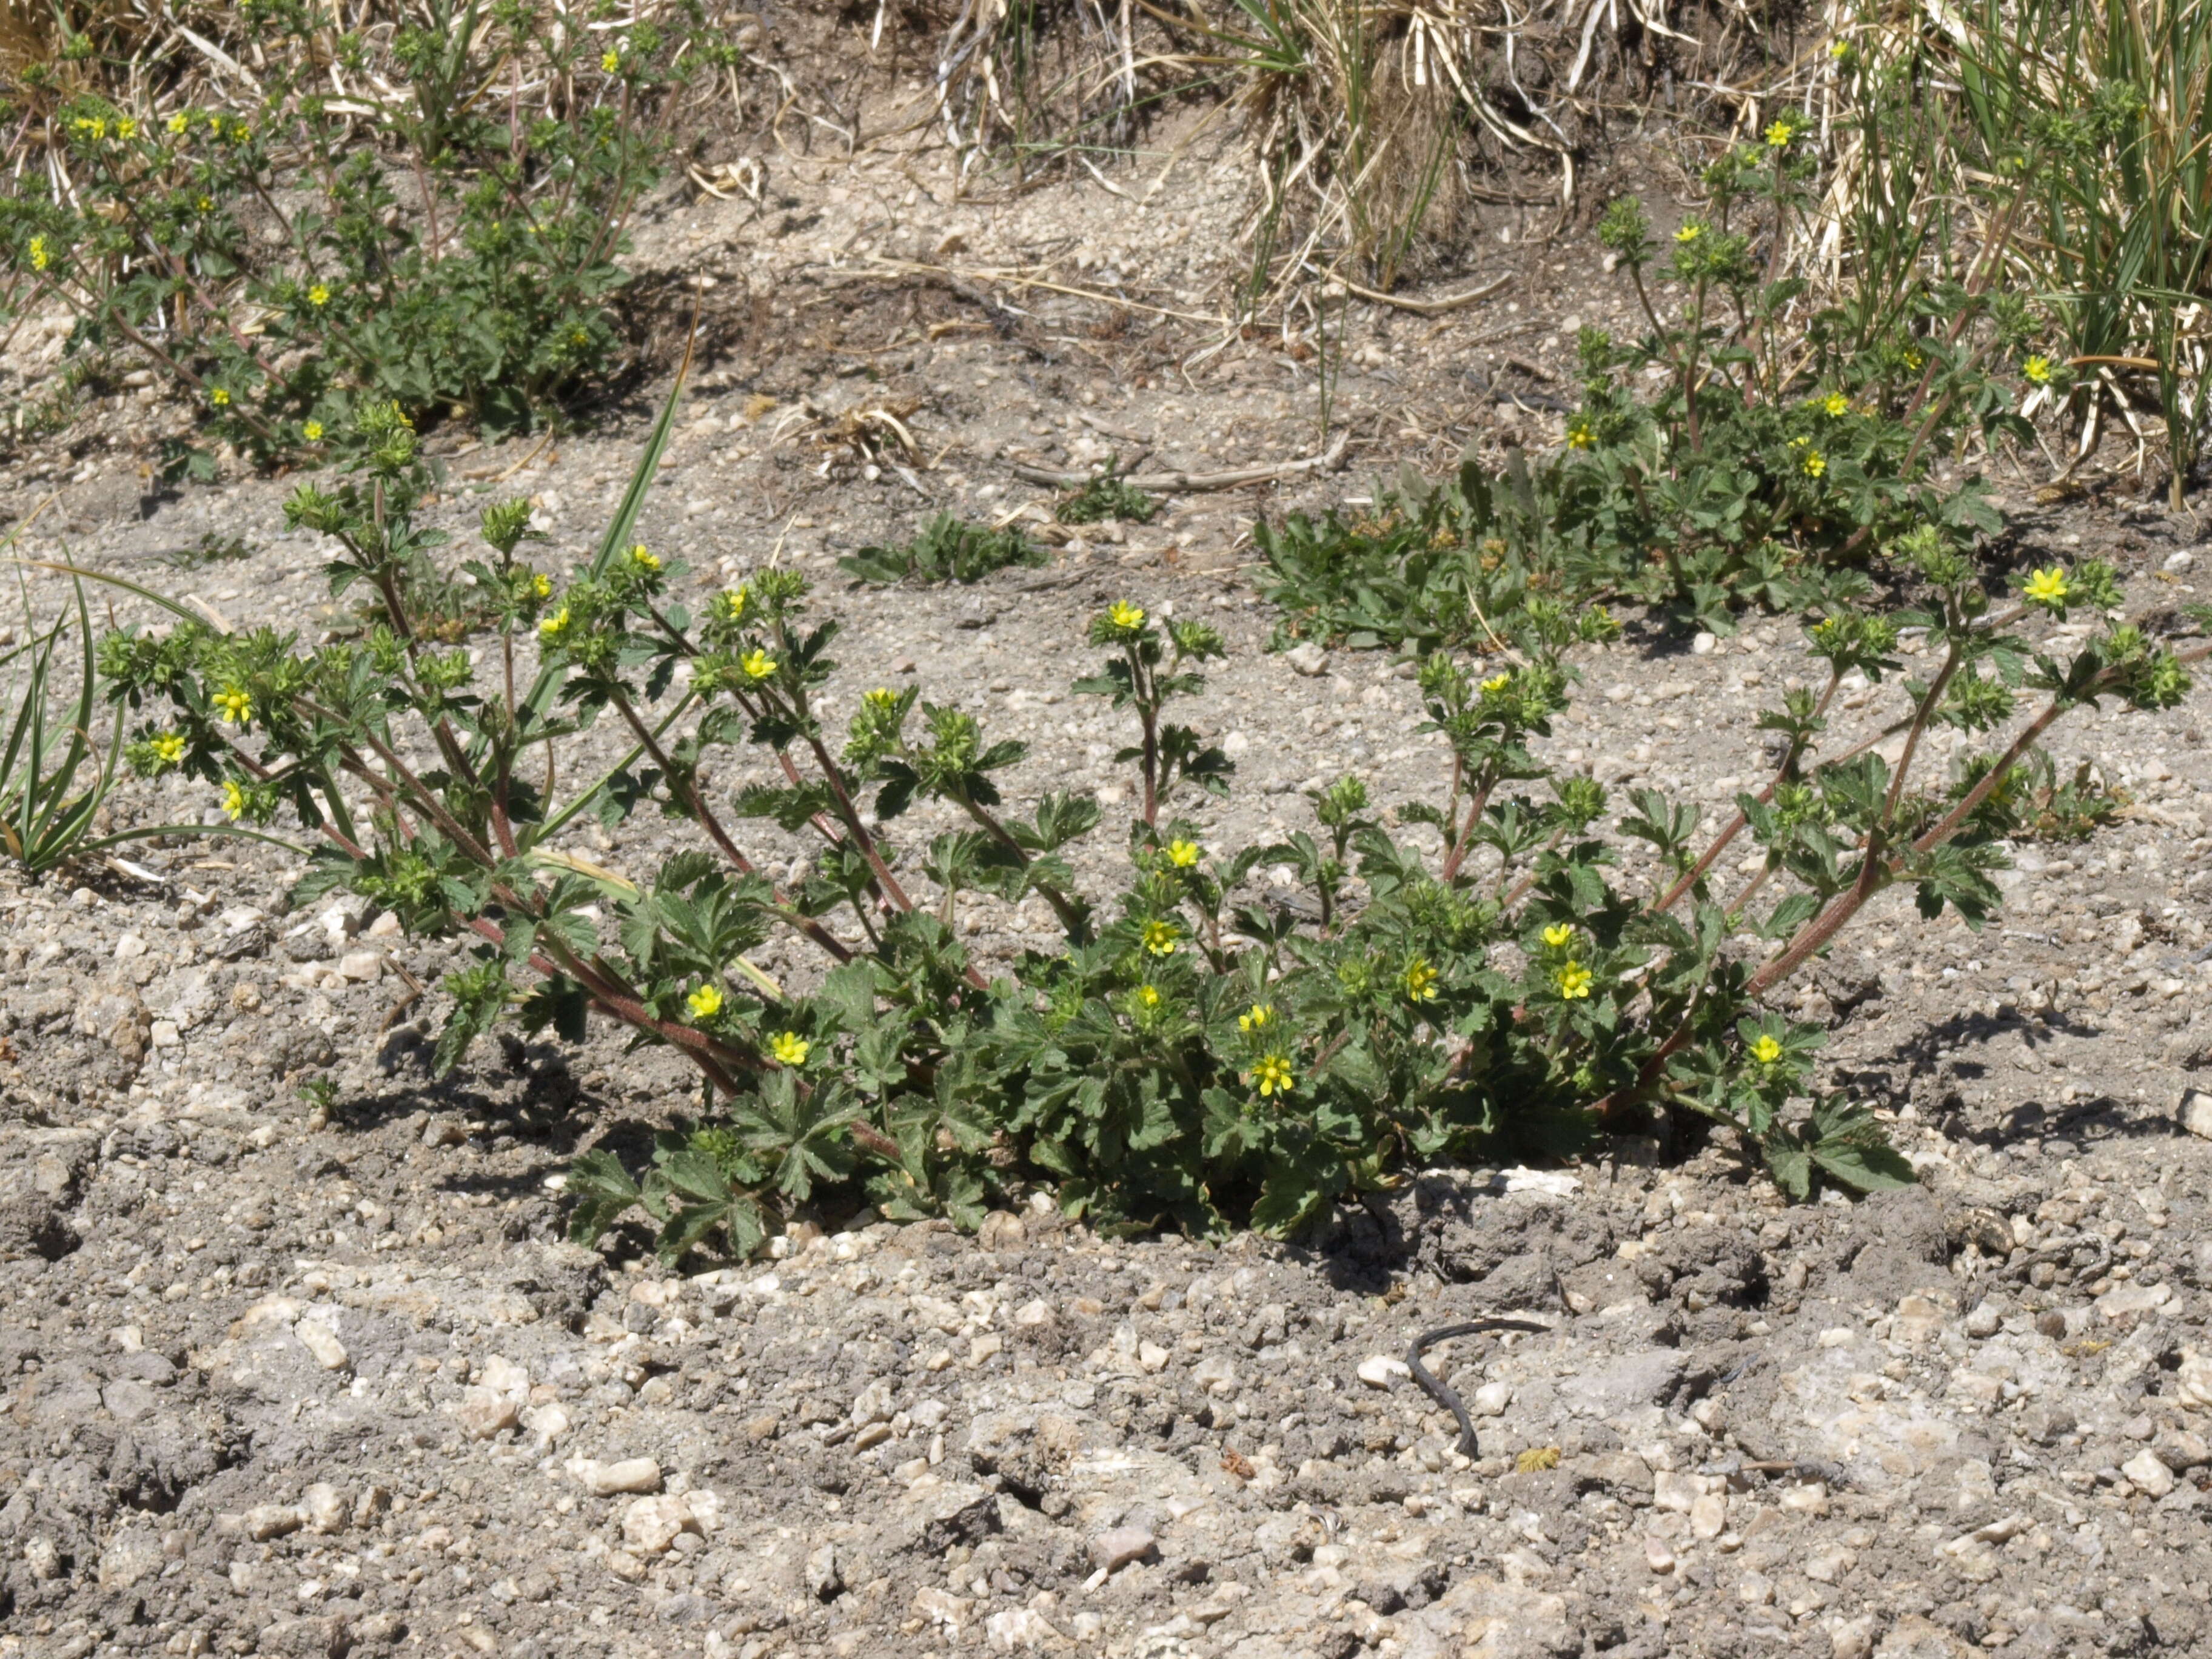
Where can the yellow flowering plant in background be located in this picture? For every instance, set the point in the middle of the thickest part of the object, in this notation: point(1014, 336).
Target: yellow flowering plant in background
point(1778, 459)
point(259, 261)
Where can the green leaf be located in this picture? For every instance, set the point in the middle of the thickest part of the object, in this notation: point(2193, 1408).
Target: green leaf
point(602, 1189)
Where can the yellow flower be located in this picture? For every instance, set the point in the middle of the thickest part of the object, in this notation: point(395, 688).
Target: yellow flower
point(1557, 934)
point(1839, 50)
point(1573, 981)
point(234, 801)
point(126, 128)
point(220, 398)
point(1498, 682)
point(313, 432)
point(1148, 996)
point(206, 204)
point(1160, 938)
point(1184, 853)
point(1273, 1076)
point(1125, 615)
point(643, 560)
point(41, 255)
point(542, 586)
point(1780, 135)
point(1765, 1051)
point(731, 605)
point(180, 124)
point(2047, 588)
point(1420, 980)
point(1913, 360)
point(1580, 435)
point(239, 133)
point(1836, 404)
point(609, 61)
point(550, 628)
point(757, 665)
point(1813, 464)
point(2037, 370)
point(1689, 233)
point(706, 1002)
point(169, 748)
point(319, 294)
point(790, 1048)
point(235, 706)
point(1257, 1019)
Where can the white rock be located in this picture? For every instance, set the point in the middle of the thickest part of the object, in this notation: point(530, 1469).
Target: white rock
point(606, 1480)
point(1830, 1566)
point(327, 1511)
point(1381, 1370)
point(2148, 1472)
point(2132, 1298)
point(943, 1607)
point(1985, 1320)
point(2195, 1113)
point(1111, 1551)
point(548, 1422)
point(1805, 1497)
point(651, 1524)
point(266, 1520)
point(1703, 645)
point(2184, 559)
point(1308, 660)
point(1673, 1490)
point(2193, 1379)
point(1492, 1399)
point(360, 966)
point(706, 1510)
point(1017, 1629)
point(873, 1404)
point(1656, 1555)
point(1708, 1515)
point(1215, 1374)
point(1918, 1319)
point(319, 1340)
point(1541, 1183)
point(497, 1401)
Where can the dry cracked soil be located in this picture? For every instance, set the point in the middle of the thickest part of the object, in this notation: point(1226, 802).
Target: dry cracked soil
point(317, 1374)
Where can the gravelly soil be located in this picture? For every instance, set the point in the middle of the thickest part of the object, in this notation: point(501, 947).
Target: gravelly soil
point(286, 1378)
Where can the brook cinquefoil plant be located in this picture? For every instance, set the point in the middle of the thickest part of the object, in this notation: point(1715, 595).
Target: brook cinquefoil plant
point(1189, 1051)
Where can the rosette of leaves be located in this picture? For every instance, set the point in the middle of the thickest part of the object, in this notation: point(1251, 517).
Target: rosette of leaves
point(945, 548)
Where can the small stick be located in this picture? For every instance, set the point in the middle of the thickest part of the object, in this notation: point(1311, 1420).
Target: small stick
point(1426, 307)
point(1160, 483)
point(414, 995)
point(1443, 1393)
